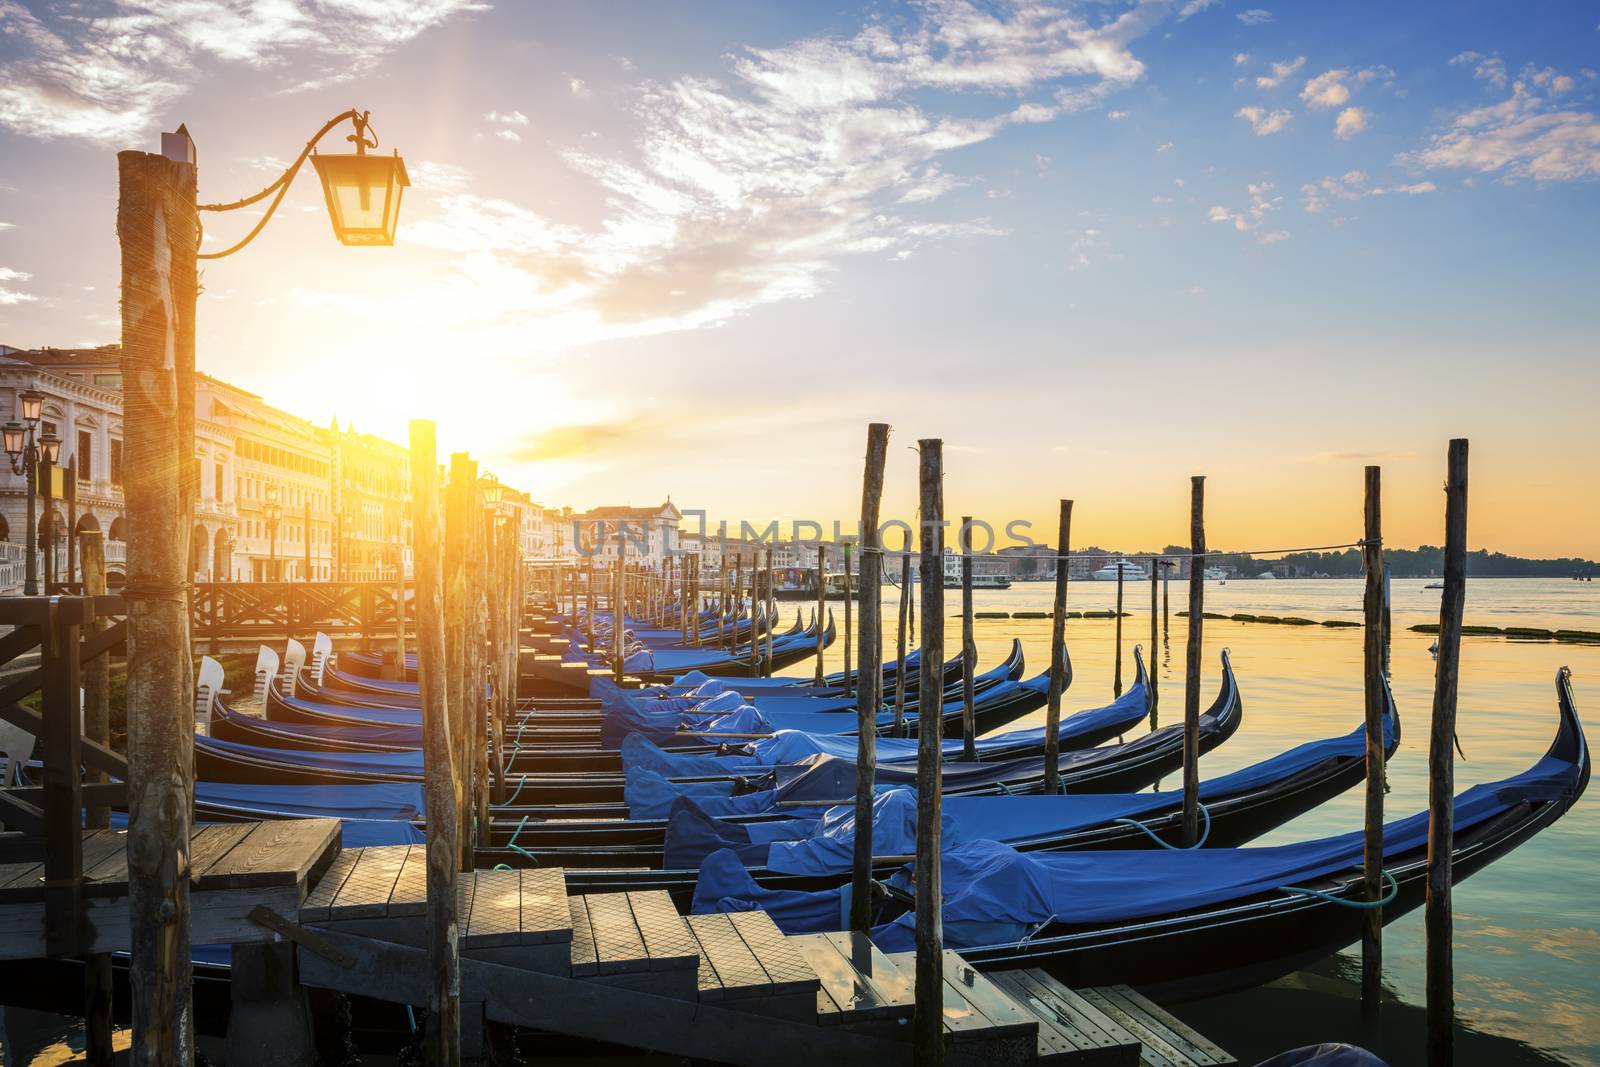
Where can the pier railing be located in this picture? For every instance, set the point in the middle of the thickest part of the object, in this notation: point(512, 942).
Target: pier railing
point(225, 611)
point(65, 633)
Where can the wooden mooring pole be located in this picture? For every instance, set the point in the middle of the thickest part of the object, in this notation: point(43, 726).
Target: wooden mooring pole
point(969, 649)
point(97, 979)
point(900, 648)
point(1153, 696)
point(399, 609)
point(1191, 675)
point(927, 1021)
point(460, 516)
point(156, 224)
point(440, 790)
point(868, 694)
point(1060, 665)
point(772, 617)
point(1116, 670)
point(757, 638)
point(737, 616)
point(618, 584)
point(849, 679)
point(1437, 920)
point(822, 607)
point(1372, 671)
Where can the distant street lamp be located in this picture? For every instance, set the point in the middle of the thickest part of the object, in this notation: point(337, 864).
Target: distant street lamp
point(26, 447)
point(274, 513)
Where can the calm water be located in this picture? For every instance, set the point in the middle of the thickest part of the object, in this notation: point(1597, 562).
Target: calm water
point(1527, 928)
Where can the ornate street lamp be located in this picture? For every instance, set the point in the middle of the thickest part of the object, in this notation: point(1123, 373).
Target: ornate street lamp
point(362, 191)
point(274, 513)
point(27, 449)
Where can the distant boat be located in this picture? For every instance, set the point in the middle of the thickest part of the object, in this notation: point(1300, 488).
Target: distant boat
point(1130, 571)
point(1434, 585)
point(1216, 574)
point(979, 581)
point(1266, 574)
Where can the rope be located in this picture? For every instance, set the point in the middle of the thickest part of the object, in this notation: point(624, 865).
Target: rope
point(1364, 905)
point(518, 849)
point(1027, 937)
point(1204, 834)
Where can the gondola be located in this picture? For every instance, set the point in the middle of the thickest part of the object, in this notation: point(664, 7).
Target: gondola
point(1181, 924)
point(1240, 806)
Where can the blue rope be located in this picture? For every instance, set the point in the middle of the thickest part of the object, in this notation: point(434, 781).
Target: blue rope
point(411, 1017)
point(522, 780)
point(1204, 834)
point(1364, 905)
point(518, 849)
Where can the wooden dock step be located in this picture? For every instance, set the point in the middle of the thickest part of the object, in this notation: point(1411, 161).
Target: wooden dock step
point(1167, 1040)
point(512, 917)
point(859, 983)
point(745, 957)
point(1071, 1030)
point(979, 1016)
point(632, 934)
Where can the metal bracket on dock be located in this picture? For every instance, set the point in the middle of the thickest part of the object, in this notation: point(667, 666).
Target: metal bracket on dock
point(262, 915)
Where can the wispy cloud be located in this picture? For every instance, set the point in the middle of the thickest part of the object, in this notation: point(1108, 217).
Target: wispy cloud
point(1255, 16)
point(9, 295)
point(106, 77)
point(749, 187)
point(1194, 7)
point(1355, 185)
point(1526, 136)
point(1263, 122)
point(1491, 68)
point(1281, 70)
point(1254, 218)
point(1351, 121)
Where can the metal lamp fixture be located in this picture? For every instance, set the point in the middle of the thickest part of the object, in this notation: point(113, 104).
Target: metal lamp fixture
point(362, 191)
point(50, 448)
point(31, 401)
point(16, 439)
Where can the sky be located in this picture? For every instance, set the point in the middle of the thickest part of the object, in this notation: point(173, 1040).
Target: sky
point(692, 249)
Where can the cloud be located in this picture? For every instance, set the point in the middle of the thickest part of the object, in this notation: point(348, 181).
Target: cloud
point(14, 296)
point(1327, 89)
point(1116, 116)
point(1255, 16)
point(1082, 245)
point(1280, 70)
point(1351, 121)
point(1241, 58)
point(1354, 185)
point(1524, 137)
point(107, 77)
point(1491, 69)
point(508, 135)
point(506, 118)
point(1253, 218)
point(1194, 7)
point(751, 184)
point(1264, 122)
point(578, 87)
point(1164, 146)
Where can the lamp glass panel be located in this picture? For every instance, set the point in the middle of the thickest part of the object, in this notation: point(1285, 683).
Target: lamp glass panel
point(14, 438)
point(32, 404)
point(363, 196)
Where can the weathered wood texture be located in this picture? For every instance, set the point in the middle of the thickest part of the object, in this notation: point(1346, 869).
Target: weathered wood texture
point(1191, 674)
point(969, 649)
point(97, 981)
point(156, 224)
point(1372, 670)
point(1437, 920)
point(441, 792)
point(868, 694)
point(1060, 665)
point(900, 647)
point(928, 1021)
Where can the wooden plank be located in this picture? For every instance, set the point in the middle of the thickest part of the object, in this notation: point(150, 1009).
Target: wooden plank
point(892, 985)
point(1057, 1036)
point(365, 893)
point(315, 909)
point(1180, 1030)
point(546, 916)
point(974, 1006)
point(276, 853)
point(961, 1017)
point(666, 937)
point(208, 844)
point(496, 909)
point(738, 972)
point(845, 995)
point(618, 946)
point(584, 959)
point(1161, 1044)
point(1048, 999)
point(409, 896)
point(786, 968)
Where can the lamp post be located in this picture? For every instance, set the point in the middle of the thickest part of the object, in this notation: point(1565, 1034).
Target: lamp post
point(26, 446)
point(274, 513)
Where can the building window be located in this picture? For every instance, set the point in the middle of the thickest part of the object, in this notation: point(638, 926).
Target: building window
point(116, 462)
point(85, 456)
point(219, 481)
point(110, 381)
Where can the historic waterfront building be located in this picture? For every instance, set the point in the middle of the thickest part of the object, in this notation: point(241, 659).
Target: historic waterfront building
point(371, 503)
point(649, 535)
